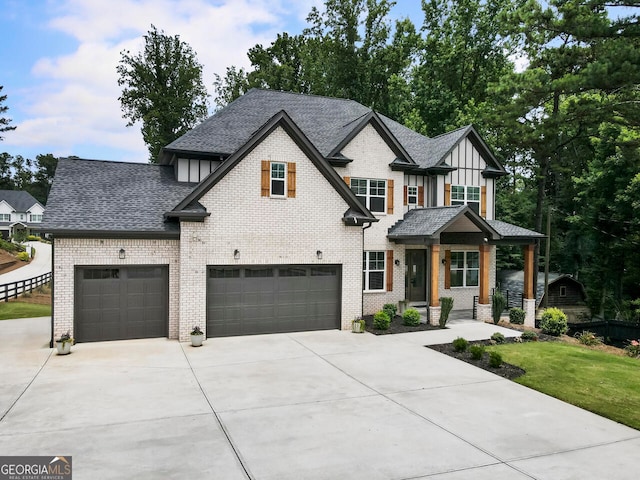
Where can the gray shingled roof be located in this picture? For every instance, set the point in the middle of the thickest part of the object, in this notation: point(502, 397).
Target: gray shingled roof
point(507, 230)
point(424, 222)
point(98, 196)
point(325, 121)
point(20, 200)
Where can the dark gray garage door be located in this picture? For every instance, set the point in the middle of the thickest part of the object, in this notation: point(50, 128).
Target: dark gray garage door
point(117, 303)
point(272, 299)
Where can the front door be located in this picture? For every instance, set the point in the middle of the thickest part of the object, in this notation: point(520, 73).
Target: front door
point(415, 278)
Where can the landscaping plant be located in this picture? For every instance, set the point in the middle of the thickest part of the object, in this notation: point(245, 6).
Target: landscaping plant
point(391, 309)
point(495, 359)
point(633, 348)
point(498, 304)
point(529, 336)
point(588, 338)
point(411, 317)
point(554, 322)
point(476, 351)
point(498, 337)
point(516, 316)
point(460, 344)
point(381, 320)
point(446, 305)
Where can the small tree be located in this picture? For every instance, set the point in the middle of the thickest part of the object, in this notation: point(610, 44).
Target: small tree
point(498, 303)
point(4, 122)
point(446, 305)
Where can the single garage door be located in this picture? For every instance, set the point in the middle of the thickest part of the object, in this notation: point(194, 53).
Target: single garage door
point(123, 302)
point(272, 299)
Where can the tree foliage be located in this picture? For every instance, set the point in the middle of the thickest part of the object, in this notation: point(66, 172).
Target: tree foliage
point(4, 121)
point(163, 89)
point(35, 177)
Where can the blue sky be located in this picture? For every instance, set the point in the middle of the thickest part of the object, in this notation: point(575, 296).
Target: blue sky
point(58, 62)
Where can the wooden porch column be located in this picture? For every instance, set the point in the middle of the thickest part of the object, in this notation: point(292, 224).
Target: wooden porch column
point(484, 274)
point(434, 297)
point(528, 271)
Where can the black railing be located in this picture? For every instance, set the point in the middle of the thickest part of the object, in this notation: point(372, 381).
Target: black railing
point(13, 289)
point(514, 299)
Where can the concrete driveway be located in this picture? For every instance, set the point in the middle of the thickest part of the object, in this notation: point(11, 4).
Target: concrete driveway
point(316, 405)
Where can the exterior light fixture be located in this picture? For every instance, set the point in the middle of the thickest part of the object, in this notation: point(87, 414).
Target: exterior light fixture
point(319, 254)
point(122, 254)
point(444, 261)
point(397, 262)
point(236, 254)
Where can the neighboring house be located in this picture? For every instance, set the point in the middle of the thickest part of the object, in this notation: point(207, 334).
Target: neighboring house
point(19, 211)
point(281, 212)
point(565, 292)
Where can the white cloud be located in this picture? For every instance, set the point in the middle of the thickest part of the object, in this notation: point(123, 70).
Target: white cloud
point(73, 98)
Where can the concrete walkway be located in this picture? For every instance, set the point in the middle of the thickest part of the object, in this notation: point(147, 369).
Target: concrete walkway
point(312, 405)
point(40, 265)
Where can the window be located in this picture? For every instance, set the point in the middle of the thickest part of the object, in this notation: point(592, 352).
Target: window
point(412, 195)
point(278, 179)
point(466, 195)
point(22, 216)
point(5, 217)
point(465, 269)
point(372, 193)
point(35, 218)
point(563, 291)
point(373, 271)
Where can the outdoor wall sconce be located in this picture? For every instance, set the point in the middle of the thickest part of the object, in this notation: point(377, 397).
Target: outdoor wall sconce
point(444, 261)
point(236, 254)
point(122, 254)
point(319, 254)
point(397, 262)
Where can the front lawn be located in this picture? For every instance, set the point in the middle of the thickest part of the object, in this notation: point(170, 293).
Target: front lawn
point(600, 382)
point(10, 310)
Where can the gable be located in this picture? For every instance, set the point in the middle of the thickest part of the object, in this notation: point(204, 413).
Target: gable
point(5, 207)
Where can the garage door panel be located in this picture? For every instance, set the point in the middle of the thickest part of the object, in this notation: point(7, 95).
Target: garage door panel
point(270, 299)
point(121, 303)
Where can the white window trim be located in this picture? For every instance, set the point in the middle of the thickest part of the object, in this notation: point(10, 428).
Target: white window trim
point(368, 195)
point(465, 269)
point(410, 195)
point(366, 271)
point(283, 180)
point(8, 219)
point(31, 215)
point(466, 200)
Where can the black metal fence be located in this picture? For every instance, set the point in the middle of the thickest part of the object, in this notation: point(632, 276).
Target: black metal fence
point(514, 300)
point(614, 331)
point(13, 289)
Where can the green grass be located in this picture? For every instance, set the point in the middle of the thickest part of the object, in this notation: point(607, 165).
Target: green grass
point(600, 382)
point(10, 310)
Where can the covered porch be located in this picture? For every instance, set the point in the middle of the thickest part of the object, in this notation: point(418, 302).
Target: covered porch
point(450, 251)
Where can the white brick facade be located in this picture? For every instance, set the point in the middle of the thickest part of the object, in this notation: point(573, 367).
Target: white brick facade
point(70, 253)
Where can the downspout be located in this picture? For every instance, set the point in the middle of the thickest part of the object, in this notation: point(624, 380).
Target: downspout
point(362, 289)
point(53, 243)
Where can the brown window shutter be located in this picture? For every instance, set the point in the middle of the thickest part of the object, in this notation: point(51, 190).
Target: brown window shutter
point(347, 180)
point(266, 166)
point(447, 269)
point(421, 196)
point(291, 180)
point(483, 201)
point(389, 196)
point(389, 266)
point(406, 195)
point(447, 194)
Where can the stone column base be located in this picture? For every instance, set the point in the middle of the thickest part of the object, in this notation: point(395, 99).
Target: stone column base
point(434, 315)
point(529, 307)
point(484, 312)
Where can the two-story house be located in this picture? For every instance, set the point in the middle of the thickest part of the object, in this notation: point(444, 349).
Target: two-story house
point(282, 212)
point(19, 212)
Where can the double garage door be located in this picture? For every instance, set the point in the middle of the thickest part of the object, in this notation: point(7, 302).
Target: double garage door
point(272, 299)
point(124, 302)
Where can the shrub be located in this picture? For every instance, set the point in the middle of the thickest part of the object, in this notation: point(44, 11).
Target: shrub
point(529, 336)
point(588, 338)
point(8, 246)
point(446, 305)
point(517, 315)
point(24, 256)
point(476, 351)
point(391, 309)
point(34, 238)
point(381, 320)
point(411, 317)
point(498, 337)
point(20, 236)
point(495, 359)
point(460, 344)
point(554, 322)
point(633, 348)
point(498, 304)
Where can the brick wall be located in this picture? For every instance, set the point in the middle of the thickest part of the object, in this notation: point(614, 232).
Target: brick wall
point(69, 253)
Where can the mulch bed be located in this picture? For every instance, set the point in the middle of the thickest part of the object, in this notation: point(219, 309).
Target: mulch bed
point(396, 326)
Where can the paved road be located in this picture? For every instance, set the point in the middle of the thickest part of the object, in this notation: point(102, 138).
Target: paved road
point(311, 405)
point(38, 266)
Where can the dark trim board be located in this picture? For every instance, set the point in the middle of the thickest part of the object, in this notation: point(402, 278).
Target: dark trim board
point(259, 299)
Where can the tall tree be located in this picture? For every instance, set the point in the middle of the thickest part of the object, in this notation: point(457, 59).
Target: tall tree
point(162, 88)
point(4, 121)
